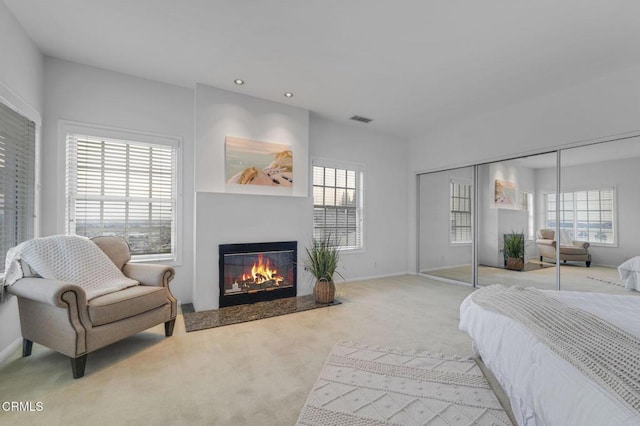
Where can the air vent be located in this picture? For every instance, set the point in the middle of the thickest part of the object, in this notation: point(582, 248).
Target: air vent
point(362, 119)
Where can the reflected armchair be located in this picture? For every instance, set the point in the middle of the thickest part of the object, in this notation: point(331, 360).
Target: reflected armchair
point(575, 251)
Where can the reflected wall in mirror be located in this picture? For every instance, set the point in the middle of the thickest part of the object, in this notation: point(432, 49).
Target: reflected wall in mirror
point(445, 224)
point(514, 221)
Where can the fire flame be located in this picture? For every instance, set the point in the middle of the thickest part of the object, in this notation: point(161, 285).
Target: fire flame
point(262, 272)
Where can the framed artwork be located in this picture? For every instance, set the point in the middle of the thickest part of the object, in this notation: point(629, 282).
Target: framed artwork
point(249, 162)
point(505, 194)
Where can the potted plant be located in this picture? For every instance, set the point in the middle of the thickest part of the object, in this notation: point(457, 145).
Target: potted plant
point(514, 251)
point(322, 260)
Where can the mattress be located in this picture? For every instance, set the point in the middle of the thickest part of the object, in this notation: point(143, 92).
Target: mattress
point(545, 389)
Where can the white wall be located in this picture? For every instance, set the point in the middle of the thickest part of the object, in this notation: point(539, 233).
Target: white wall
point(624, 175)
point(228, 218)
point(436, 250)
point(384, 158)
point(598, 108)
point(90, 95)
point(20, 87)
point(238, 218)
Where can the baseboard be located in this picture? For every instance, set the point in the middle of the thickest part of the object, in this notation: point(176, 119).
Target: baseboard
point(6, 352)
point(374, 277)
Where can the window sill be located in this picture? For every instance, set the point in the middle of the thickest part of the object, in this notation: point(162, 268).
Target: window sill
point(352, 251)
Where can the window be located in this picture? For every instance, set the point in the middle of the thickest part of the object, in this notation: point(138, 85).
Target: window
point(124, 188)
point(526, 203)
point(586, 215)
point(460, 211)
point(17, 179)
point(337, 205)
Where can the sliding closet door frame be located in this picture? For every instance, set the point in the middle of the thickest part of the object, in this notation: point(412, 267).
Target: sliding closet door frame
point(558, 215)
point(474, 229)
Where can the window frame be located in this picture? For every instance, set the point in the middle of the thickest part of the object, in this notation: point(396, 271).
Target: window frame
point(469, 183)
point(22, 108)
point(99, 131)
point(574, 201)
point(360, 171)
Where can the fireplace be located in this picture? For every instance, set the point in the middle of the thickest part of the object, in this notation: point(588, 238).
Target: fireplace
point(257, 272)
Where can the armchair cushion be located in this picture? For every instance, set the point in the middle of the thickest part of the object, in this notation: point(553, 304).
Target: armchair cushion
point(572, 250)
point(546, 234)
point(125, 303)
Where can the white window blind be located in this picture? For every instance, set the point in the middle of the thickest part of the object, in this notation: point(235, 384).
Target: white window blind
point(337, 206)
point(124, 188)
point(460, 212)
point(587, 215)
point(17, 179)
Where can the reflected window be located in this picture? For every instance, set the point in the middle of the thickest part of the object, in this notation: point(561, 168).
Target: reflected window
point(526, 204)
point(460, 212)
point(587, 215)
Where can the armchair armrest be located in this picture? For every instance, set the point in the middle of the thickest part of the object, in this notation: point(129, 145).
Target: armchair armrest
point(551, 243)
point(149, 274)
point(581, 244)
point(47, 291)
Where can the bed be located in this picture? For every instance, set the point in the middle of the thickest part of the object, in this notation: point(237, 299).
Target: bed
point(544, 387)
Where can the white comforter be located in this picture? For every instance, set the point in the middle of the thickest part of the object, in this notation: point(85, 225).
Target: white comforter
point(543, 388)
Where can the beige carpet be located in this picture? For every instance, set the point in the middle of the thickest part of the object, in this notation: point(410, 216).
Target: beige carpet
point(370, 385)
point(254, 373)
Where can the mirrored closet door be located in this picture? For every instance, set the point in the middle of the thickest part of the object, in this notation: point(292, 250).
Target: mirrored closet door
point(510, 216)
point(445, 224)
point(599, 228)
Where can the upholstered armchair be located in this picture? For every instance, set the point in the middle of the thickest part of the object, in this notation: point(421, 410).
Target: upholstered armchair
point(573, 251)
point(58, 315)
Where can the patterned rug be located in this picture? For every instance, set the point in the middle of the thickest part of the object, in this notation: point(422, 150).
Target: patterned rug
point(365, 385)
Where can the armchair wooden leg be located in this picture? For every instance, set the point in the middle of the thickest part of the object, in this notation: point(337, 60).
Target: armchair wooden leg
point(168, 327)
point(77, 366)
point(27, 346)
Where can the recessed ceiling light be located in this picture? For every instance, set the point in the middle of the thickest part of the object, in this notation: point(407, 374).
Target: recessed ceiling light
point(238, 82)
point(288, 95)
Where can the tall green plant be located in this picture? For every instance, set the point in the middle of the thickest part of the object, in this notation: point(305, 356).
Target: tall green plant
point(322, 259)
point(514, 245)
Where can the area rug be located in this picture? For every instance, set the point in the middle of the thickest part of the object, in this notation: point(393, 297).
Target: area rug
point(194, 321)
point(607, 280)
point(369, 385)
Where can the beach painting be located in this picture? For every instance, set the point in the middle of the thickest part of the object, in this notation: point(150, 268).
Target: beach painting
point(505, 195)
point(249, 162)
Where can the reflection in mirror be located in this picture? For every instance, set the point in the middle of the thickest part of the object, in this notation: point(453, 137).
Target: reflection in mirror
point(599, 208)
point(445, 224)
point(509, 218)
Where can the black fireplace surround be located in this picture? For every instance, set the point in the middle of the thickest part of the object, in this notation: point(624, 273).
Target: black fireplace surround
point(257, 272)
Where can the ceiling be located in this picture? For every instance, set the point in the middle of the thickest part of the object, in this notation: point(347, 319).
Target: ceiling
point(411, 65)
